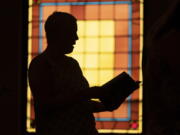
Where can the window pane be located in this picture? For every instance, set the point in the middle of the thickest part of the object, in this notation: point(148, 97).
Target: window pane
point(92, 28)
point(107, 44)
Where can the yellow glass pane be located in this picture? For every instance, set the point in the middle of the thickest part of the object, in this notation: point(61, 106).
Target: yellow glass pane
point(79, 58)
point(107, 28)
point(81, 28)
point(92, 28)
point(91, 60)
point(106, 60)
point(107, 44)
point(79, 46)
point(92, 77)
point(105, 76)
point(92, 44)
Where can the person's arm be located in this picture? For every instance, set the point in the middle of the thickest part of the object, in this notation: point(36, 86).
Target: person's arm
point(42, 86)
point(97, 106)
point(67, 98)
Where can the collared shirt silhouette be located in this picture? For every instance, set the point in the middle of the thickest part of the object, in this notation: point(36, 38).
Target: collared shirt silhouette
point(61, 93)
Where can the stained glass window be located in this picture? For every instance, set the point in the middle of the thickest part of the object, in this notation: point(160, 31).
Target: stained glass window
point(110, 41)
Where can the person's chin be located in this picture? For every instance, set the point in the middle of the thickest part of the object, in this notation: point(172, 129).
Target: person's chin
point(69, 50)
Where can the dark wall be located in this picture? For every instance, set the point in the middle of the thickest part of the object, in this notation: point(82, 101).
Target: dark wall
point(153, 10)
point(160, 69)
point(13, 41)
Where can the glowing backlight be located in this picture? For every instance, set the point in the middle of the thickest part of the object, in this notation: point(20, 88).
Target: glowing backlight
point(105, 48)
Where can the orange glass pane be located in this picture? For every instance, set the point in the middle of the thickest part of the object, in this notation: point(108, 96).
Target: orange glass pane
point(78, 12)
point(71, 0)
point(117, 71)
point(136, 28)
point(121, 44)
point(64, 9)
point(35, 45)
point(44, 44)
point(43, 31)
point(47, 10)
point(106, 11)
point(35, 29)
point(121, 11)
point(121, 60)
point(135, 58)
point(122, 111)
point(136, 41)
point(121, 28)
point(104, 115)
point(91, 12)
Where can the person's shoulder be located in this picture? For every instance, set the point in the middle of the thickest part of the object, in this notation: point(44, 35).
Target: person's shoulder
point(72, 60)
point(74, 65)
point(35, 61)
point(38, 62)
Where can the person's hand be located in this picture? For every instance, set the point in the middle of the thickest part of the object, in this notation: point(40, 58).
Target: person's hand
point(137, 83)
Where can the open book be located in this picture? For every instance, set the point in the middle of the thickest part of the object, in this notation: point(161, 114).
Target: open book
point(119, 88)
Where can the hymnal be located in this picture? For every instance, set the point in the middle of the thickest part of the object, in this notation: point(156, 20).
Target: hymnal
point(118, 89)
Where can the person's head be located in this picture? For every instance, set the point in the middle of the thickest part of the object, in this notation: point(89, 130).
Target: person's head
point(61, 32)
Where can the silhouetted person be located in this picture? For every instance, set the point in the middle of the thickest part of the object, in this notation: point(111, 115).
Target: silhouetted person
point(61, 93)
point(62, 96)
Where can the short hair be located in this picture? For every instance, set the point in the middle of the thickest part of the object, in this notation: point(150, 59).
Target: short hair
point(58, 22)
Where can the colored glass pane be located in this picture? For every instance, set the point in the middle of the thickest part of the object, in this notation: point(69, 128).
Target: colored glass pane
point(79, 58)
point(121, 60)
point(121, 44)
point(106, 61)
point(92, 28)
point(80, 45)
point(107, 44)
point(122, 111)
point(78, 12)
point(92, 77)
point(121, 28)
point(63, 8)
point(105, 75)
point(92, 44)
point(81, 28)
point(106, 12)
point(91, 61)
point(106, 28)
point(47, 10)
point(121, 12)
point(91, 12)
